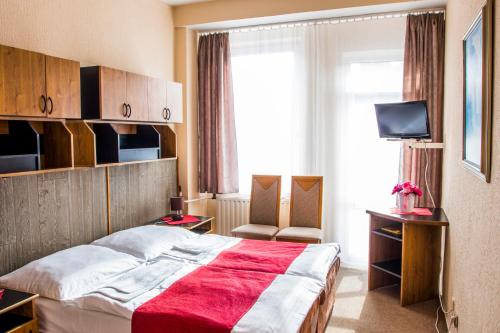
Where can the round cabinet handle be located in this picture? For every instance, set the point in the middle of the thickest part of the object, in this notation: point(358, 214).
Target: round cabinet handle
point(124, 110)
point(129, 110)
point(42, 103)
point(168, 114)
point(49, 111)
point(164, 113)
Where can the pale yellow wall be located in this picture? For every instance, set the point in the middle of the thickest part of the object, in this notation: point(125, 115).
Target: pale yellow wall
point(473, 207)
point(133, 35)
point(225, 10)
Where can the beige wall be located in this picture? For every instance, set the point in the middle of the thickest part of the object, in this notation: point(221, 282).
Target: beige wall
point(133, 35)
point(225, 10)
point(473, 207)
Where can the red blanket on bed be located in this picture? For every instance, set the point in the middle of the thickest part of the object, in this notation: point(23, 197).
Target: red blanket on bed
point(209, 299)
point(260, 256)
point(214, 298)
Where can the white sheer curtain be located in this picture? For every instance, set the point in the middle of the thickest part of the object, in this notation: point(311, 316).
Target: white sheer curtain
point(304, 100)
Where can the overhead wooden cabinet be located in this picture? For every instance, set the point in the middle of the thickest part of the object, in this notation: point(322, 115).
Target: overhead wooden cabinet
point(157, 97)
point(111, 94)
point(137, 97)
point(22, 83)
point(36, 85)
point(63, 88)
point(111, 88)
point(174, 102)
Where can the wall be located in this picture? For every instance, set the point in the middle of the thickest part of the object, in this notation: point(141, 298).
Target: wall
point(473, 251)
point(133, 35)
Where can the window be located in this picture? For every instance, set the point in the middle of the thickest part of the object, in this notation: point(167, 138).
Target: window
point(303, 100)
point(263, 94)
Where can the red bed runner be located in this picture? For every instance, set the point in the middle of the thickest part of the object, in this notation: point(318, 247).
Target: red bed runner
point(215, 297)
point(209, 299)
point(260, 256)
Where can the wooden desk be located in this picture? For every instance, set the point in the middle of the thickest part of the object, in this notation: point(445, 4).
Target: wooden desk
point(412, 259)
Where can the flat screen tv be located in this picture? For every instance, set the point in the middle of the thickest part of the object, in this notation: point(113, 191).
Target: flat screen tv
point(408, 120)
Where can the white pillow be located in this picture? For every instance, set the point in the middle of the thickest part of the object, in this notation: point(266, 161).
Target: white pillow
point(70, 273)
point(146, 242)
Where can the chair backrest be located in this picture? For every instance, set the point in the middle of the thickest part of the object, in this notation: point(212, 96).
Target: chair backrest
point(306, 201)
point(265, 200)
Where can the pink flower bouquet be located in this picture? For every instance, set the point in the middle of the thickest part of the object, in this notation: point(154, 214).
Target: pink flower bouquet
point(407, 188)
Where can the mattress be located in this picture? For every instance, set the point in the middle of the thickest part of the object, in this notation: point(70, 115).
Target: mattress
point(283, 306)
point(58, 317)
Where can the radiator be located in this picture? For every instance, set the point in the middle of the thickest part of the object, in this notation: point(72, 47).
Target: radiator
point(231, 212)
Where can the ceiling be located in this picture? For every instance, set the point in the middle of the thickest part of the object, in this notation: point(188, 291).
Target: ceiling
point(182, 2)
point(324, 14)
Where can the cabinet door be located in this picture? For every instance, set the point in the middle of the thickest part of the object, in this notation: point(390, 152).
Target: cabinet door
point(157, 99)
point(22, 82)
point(113, 94)
point(137, 96)
point(174, 102)
point(63, 88)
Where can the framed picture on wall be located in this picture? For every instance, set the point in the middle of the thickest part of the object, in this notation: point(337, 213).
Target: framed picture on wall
point(478, 83)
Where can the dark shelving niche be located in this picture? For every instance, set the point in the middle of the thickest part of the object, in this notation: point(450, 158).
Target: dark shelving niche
point(129, 143)
point(392, 267)
point(20, 147)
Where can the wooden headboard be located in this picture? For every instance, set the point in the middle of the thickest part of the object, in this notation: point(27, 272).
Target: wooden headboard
point(44, 213)
point(140, 193)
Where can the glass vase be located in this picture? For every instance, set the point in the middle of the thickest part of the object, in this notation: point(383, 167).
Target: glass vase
point(406, 202)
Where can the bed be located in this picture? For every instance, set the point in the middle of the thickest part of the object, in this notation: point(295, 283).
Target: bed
point(112, 285)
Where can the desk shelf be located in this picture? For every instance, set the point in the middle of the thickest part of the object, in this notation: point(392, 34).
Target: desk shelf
point(392, 267)
point(383, 233)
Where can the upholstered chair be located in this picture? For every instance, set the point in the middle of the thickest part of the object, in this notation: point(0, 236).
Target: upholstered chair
point(305, 211)
point(264, 209)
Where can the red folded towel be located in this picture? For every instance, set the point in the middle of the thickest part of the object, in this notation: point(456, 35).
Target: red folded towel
point(186, 219)
point(415, 211)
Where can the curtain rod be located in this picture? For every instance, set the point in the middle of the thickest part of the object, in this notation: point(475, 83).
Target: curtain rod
point(333, 20)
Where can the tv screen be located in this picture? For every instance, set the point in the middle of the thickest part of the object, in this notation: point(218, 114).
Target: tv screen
point(408, 120)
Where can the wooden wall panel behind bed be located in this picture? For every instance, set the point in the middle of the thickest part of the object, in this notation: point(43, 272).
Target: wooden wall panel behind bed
point(44, 213)
point(140, 193)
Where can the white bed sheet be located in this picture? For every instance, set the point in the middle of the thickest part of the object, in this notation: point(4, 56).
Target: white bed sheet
point(314, 262)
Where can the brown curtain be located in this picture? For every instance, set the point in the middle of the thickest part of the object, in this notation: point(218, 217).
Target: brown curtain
point(217, 135)
point(423, 80)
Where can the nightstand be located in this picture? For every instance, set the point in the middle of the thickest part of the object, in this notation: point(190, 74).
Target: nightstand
point(206, 225)
point(17, 312)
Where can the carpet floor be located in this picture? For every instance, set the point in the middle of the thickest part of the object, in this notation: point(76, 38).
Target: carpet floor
point(357, 310)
